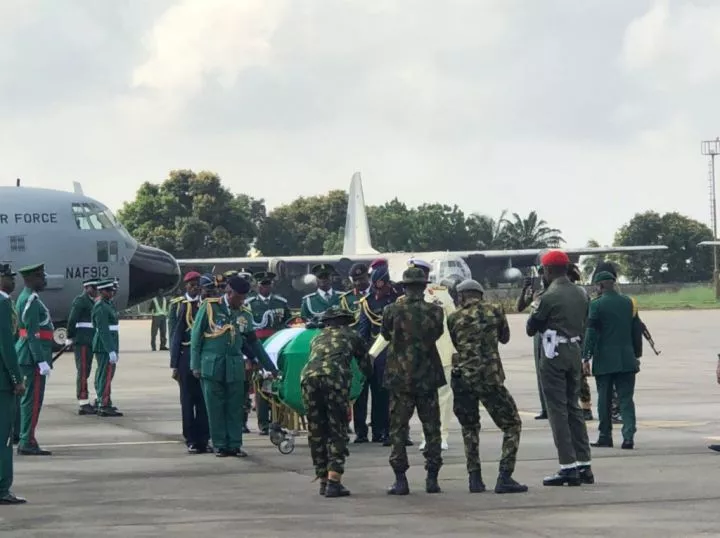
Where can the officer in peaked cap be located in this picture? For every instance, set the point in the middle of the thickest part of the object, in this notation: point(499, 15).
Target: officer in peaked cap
point(192, 290)
point(270, 313)
point(361, 286)
point(80, 333)
point(34, 349)
point(106, 346)
point(208, 286)
point(11, 384)
point(314, 304)
point(560, 314)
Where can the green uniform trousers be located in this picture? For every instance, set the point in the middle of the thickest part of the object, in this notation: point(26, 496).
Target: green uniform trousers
point(561, 379)
point(7, 423)
point(103, 379)
point(158, 324)
point(224, 403)
point(402, 407)
point(624, 384)
point(83, 365)
point(16, 422)
point(30, 405)
point(326, 409)
point(501, 407)
point(537, 345)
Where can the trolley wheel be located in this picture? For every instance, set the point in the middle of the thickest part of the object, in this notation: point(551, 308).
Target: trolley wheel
point(276, 438)
point(286, 446)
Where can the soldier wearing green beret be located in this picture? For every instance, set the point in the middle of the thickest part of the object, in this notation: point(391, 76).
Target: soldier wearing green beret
point(80, 334)
point(221, 334)
point(11, 385)
point(270, 314)
point(106, 346)
point(34, 349)
point(316, 303)
point(613, 340)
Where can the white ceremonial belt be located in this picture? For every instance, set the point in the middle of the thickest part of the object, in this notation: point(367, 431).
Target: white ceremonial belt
point(114, 327)
point(83, 325)
point(564, 340)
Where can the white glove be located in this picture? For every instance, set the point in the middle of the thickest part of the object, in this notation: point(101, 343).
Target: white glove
point(68, 342)
point(113, 357)
point(44, 368)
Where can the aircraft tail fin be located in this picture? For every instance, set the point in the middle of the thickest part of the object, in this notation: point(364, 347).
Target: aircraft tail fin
point(357, 231)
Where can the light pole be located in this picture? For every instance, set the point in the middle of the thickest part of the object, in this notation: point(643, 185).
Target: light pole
point(712, 148)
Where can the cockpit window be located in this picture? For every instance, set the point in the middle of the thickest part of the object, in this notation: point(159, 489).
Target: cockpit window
point(89, 216)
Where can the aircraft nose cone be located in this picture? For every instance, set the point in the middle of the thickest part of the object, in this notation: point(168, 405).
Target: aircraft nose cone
point(151, 271)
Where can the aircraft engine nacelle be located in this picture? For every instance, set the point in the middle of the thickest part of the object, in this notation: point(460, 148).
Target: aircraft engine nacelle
point(512, 274)
point(279, 267)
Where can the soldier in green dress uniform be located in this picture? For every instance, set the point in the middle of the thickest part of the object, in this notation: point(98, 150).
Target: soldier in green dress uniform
point(316, 303)
point(106, 342)
point(192, 289)
point(360, 276)
point(11, 385)
point(559, 315)
point(34, 349)
point(80, 334)
point(612, 341)
point(270, 314)
point(7, 286)
point(222, 333)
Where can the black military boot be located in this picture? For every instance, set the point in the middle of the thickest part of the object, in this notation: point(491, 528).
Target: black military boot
point(401, 486)
point(335, 487)
point(475, 483)
point(87, 409)
point(562, 477)
point(108, 412)
point(602, 443)
point(431, 482)
point(586, 475)
point(506, 484)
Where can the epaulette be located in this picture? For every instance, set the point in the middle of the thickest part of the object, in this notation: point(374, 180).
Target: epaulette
point(213, 300)
point(176, 300)
point(280, 298)
point(309, 295)
point(250, 299)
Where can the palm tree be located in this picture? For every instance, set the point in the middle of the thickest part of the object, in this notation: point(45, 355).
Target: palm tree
point(589, 263)
point(530, 232)
point(486, 231)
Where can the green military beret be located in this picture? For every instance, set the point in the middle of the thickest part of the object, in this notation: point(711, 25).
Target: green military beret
point(32, 269)
point(337, 312)
point(603, 276)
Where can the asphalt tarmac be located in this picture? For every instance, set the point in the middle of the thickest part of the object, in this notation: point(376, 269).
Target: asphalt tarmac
point(131, 476)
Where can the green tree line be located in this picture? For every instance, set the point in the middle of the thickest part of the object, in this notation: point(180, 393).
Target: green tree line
point(193, 215)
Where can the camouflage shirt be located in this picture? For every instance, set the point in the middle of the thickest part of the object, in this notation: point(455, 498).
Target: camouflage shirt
point(476, 327)
point(412, 327)
point(331, 355)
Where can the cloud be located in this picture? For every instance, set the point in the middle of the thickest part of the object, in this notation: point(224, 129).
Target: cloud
point(584, 111)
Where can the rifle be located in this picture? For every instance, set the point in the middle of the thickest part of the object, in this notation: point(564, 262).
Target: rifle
point(646, 334)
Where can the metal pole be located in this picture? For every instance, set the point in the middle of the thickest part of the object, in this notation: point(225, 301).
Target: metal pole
point(716, 280)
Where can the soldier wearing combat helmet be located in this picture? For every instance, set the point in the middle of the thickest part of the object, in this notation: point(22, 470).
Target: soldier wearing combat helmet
point(477, 376)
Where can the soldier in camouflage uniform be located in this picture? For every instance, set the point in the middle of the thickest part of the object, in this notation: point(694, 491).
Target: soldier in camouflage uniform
point(325, 382)
point(478, 376)
point(413, 374)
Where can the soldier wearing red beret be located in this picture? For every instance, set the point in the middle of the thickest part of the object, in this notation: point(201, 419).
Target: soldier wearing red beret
point(559, 315)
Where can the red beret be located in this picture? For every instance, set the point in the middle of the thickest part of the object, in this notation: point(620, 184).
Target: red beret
point(378, 262)
point(192, 275)
point(556, 258)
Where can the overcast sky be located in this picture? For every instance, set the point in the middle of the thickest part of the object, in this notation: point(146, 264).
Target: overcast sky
point(588, 111)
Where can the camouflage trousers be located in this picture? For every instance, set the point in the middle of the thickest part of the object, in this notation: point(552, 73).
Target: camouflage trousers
point(585, 395)
point(615, 405)
point(402, 407)
point(326, 407)
point(501, 407)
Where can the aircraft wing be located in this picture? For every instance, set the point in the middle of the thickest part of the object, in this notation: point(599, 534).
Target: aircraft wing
point(586, 251)
point(261, 260)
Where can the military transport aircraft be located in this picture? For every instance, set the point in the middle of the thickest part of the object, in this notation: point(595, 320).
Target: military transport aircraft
point(293, 271)
point(77, 238)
